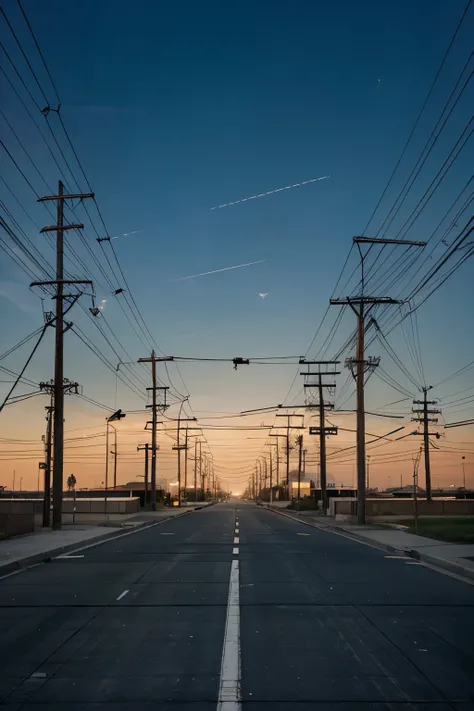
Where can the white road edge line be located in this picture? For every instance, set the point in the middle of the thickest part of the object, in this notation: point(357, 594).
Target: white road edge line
point(230, 681)
point(122, 594)
point(65, 556)
point(235, 551)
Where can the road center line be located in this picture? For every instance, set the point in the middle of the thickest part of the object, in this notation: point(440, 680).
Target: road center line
point(235, 551)
point(123, 594)
point(236, 539)
point(230, 682)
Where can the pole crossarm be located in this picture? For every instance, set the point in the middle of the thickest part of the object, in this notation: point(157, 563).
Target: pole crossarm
point(387, 240)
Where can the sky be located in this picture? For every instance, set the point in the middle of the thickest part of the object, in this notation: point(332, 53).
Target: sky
point(176, 109)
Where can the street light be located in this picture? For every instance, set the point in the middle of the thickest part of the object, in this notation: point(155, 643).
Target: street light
point(118, 415)
point(463, 473)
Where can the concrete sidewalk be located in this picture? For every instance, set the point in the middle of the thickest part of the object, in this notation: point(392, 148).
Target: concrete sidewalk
point(454, 557)
point(22, 551)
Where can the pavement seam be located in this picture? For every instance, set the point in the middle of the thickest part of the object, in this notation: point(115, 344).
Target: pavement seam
point(439, 564)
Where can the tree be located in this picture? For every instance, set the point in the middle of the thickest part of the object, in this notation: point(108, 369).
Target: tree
point(71, 482)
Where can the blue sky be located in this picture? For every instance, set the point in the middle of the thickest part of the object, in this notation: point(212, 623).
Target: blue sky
point(176, 108)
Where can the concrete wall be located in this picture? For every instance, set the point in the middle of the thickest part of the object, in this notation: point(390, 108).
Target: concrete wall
point(16, 517)
point(117, 506)
point(403, 507)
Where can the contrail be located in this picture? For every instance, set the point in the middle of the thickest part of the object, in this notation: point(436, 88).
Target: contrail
point(224, 269)
point(271, 192)
point(126, 234)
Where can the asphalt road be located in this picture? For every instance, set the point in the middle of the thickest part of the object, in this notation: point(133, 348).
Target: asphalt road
point(280, 614)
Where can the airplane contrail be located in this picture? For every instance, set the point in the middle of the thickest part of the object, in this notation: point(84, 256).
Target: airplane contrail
point(270, 192)
point(224, 269)
point(126, 234)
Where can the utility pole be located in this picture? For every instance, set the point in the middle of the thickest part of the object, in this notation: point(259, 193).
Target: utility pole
point(423, 416)
point(300, 459)
point(271, 476)
point(368, 471)
point(154, 412)
point(195, 470)
point(185, 463)
point(322, 430)
point(59, 282)
point(361, 306)
point(115, 458)
point(145, 448)
point(47, 472)
point(50, 387)
point(289, 427)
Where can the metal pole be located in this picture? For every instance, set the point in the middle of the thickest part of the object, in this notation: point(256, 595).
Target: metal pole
point(115, 458)
point(106, 465)
point(153, 433)
point(185, 463)
point(59, 370)
point(146, 473)
point(195, 470)
point(271, 476)
point(300, 457)
point(463, 472)
point(278, 462)
point(360, 418)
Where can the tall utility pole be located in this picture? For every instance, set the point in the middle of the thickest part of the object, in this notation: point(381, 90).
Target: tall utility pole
point(322, 430)
point(59, 283)
point(155, 406)
point(424, 417)
point(145, 448)
point(361, 306)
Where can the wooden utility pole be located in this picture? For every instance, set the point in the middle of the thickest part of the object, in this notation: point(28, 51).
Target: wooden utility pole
point(424, 417)
point(289, 427)
point(195, 469)
point(50, 387)
point(145, 448)
point(361, 306)
point(271, 476)
point(59, 283)
point(155, 406)
point(300, 459)
point(322, 430)
point(47, 472)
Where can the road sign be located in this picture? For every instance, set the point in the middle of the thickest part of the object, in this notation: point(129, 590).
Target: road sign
point(327, 430)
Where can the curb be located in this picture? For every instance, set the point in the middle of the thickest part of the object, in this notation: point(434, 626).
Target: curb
point(433, 560)
point(447, 565)
point(47, 556)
